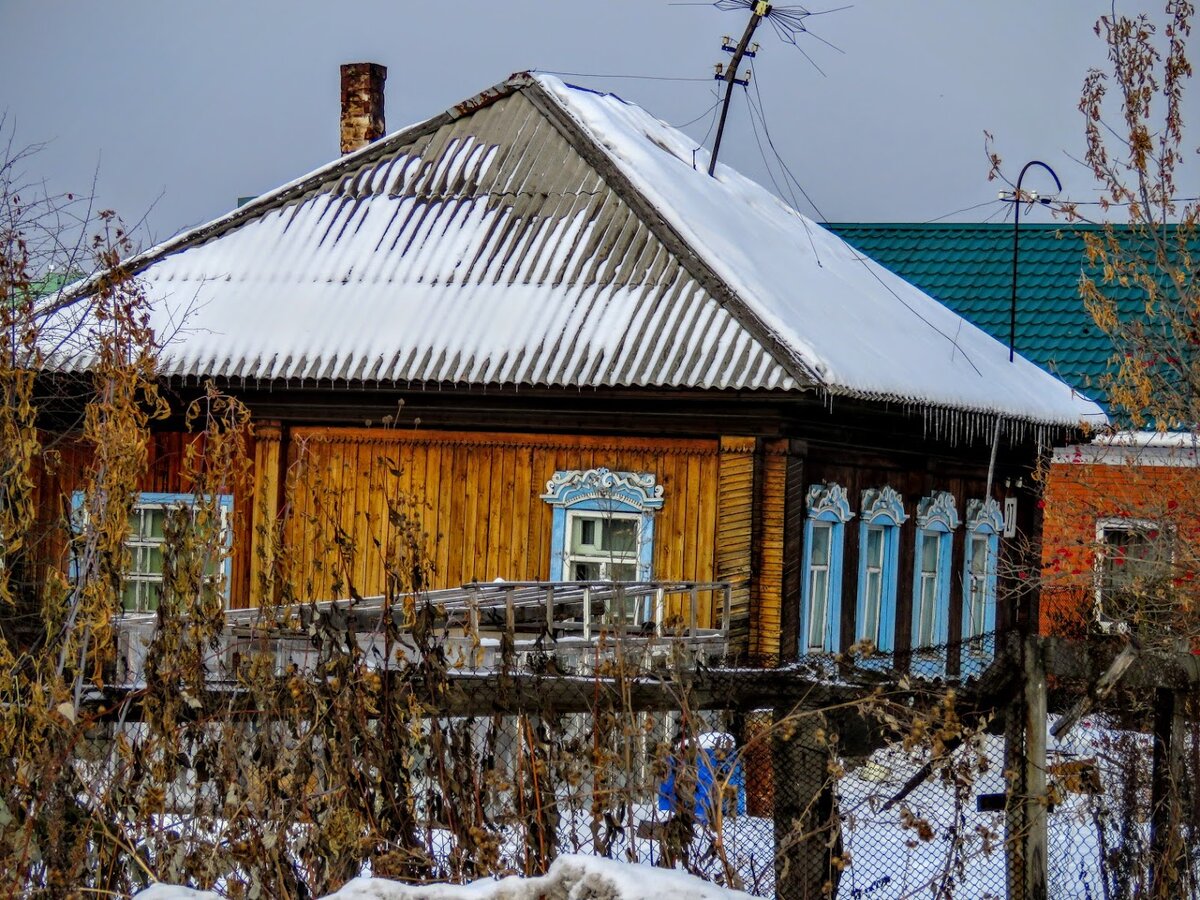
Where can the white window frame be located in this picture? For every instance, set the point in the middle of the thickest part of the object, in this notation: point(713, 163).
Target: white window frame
point(1106, 623)
point(937, 520)
point(820, 605)
point(882, 511)
point(985, 524)
point(165, 501)
point(828, 507)
point(605, 558)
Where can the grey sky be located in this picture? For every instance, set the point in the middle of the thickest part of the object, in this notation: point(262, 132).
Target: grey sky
point(187, 106)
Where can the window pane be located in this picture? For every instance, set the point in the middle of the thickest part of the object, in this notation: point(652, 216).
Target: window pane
point(875, 547)
point(872, 587)
point(620, 535)
point(927, 610)
point(155, 518)
point(977, 586)
point(820, 544)
point(585, 571)
point(583, 535)
point(622, 572)
point(818, 607)
point(929, 553)
point(152, 558)
point(979, 553)
point(1131, 556)
point(977, 604)
point(871, 603)
point(129, 596)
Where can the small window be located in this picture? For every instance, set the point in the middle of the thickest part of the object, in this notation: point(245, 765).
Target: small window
point(985, 524)
point(1133, 568)
point(879, 561)
point(603, 546)
point(603, 524)
point(142, 579)
point(929, 588)
point(978, 595)
point(819, 599)
point(824, 535)
point(937, 519)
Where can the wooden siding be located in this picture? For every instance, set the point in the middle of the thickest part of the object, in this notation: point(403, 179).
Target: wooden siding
point(768, 594)
point(735, 531)
point(915, 478)
point(166, 452)
point(476, 499)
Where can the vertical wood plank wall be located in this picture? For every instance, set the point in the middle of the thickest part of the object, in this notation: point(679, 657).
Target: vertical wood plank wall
point(768, 585)
point(735, 530)
point(477, 499)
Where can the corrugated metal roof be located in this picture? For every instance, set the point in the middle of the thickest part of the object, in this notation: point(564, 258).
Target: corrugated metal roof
point(483, 251)
point(541, 234)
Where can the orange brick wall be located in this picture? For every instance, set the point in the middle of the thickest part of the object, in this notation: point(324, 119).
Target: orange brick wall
point(1076, 496)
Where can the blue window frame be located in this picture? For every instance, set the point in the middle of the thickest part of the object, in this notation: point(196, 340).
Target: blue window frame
point(142, 580)
point(985, 523)
point(937, 520)
point(878, 565)
point(824, 538)
point(603, 526)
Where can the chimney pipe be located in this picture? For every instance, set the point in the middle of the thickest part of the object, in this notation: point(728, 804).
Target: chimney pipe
point(362, 104)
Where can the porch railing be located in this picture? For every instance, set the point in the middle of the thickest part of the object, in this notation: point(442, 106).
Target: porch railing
point(574, 622)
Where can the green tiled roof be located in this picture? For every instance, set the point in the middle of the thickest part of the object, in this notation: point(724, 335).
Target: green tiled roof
point(969, 268)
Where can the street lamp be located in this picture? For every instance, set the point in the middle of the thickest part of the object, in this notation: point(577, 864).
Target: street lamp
point(1017, 198)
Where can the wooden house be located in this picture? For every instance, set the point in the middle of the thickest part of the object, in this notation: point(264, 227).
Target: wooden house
point(588, 360)
point(1119, 509)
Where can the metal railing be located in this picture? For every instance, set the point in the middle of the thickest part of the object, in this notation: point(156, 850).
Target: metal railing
point(565, 620)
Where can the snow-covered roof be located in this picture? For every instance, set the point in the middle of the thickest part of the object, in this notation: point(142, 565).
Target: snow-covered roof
point(544, 234)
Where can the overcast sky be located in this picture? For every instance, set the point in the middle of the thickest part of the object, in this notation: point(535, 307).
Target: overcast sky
point(179, 108)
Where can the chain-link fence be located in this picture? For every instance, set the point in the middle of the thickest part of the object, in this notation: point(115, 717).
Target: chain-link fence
point(837, 777)
point(1124, 813)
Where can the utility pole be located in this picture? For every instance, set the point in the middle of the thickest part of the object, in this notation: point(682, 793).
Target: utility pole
point(761, 9)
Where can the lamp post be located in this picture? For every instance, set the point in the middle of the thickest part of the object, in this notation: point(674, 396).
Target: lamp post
point(1017, 198)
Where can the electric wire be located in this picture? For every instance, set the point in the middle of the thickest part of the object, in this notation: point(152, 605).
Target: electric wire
point(707, 112)
point(762, 113)
point(611, 75)
point(770, 172)
point(963, 210)
point(855, 254)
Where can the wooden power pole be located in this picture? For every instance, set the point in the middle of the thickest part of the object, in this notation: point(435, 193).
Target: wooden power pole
point(761, 9)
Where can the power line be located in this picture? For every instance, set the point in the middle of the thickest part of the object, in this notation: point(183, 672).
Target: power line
point(861, 258)
point(770, 141)
point(637, 77)
point(699, 117)
point(963, 210)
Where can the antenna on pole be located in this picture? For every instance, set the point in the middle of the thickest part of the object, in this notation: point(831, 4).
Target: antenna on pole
point(743, 49)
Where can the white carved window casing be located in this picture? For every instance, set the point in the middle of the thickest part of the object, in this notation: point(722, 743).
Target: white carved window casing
point(603, 526)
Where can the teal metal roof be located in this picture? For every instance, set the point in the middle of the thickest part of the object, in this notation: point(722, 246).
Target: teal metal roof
point(969, 268)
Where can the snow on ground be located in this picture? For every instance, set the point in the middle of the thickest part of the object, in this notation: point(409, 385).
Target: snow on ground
point(569, 878)
point(962, 849)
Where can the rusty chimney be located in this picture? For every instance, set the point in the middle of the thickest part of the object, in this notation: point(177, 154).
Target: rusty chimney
point(362, 104)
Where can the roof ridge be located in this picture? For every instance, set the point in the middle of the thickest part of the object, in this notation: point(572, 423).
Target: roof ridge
point(576, 133)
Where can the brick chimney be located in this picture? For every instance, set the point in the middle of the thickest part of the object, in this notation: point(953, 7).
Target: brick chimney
point(362, 104)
